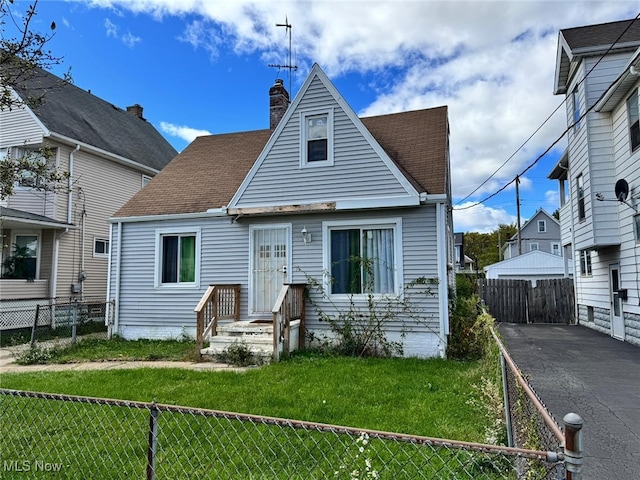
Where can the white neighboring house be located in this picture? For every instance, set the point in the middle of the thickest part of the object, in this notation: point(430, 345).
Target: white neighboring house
point(597, 69)
point(533, 265)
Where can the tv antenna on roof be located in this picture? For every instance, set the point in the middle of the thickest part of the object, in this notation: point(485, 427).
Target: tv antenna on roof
point(289, 66)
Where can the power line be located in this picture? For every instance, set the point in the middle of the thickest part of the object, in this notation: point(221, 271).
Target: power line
point(531, 165)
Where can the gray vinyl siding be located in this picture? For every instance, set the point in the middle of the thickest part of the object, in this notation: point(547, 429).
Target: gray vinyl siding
point(357, 171)
point(146, 310)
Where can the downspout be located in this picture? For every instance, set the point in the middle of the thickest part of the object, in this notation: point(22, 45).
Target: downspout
point(443, 282)
point(70, 185)
point(116, 313)
point(107, 308)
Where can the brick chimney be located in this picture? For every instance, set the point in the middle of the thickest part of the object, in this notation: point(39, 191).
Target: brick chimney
point(135, 110)
point(278, 103)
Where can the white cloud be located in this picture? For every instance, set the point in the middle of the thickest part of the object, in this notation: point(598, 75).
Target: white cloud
point(182, 131)
point(491, 62)
point(480, 218)
point(128, 39)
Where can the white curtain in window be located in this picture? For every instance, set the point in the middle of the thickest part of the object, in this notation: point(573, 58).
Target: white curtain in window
point(378, 250)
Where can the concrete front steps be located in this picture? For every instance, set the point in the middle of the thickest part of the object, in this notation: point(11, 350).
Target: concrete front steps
point(256, 334)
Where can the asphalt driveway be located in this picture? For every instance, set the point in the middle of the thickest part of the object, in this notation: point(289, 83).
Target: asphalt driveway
point(575, 369)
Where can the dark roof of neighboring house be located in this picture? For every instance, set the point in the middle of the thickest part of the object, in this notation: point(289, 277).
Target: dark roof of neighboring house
point(9, 214)
point(210, 170)
point(603, 34)
point(81, 116)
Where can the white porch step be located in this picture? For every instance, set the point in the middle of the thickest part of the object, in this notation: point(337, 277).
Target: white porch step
point(246, 328)
point(257, 344)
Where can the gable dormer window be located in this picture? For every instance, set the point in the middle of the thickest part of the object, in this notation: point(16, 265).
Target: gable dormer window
point(317, 138)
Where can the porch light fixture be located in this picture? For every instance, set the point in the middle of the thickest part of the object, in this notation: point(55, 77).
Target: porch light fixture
point(306, 236)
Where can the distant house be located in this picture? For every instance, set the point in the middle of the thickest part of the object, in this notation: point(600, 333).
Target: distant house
point(463, 263)
point(541, 232)
point(311, 196)
point(109, 153)
point(597, 69)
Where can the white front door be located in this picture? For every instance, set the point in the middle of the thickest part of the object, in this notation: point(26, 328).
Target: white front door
point(617, 320)
point(270, 269)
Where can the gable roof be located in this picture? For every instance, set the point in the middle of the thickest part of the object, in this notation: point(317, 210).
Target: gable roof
point(207, 174)
point(539, 212)
point(82, 117)
point(576, 42)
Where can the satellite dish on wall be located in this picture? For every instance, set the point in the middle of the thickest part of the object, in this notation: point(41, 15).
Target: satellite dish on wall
point(622, 190)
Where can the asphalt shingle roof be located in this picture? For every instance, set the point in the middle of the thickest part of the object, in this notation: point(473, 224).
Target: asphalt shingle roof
point(210, 170)
point(603, 34)
point(77, 114)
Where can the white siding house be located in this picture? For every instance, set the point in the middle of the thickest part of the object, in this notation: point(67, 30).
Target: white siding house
point(597, 69)
point(265, 208)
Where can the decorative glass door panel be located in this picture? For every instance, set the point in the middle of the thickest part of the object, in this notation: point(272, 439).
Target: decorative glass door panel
point(270, 247)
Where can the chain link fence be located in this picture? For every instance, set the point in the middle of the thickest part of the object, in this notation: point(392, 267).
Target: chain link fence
point(530, 425)
point(82, 437)
point(53, 322)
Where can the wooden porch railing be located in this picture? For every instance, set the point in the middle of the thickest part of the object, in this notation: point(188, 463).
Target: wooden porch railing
point(219, 302)
point(289, 306)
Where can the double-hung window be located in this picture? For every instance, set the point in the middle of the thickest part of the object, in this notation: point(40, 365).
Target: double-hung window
point(634, 120)
point(542, 226)
point(576, 108)
point(177, 258)
point(585, 263)
point(534, 246)
point(363, 259)
point(317, 138)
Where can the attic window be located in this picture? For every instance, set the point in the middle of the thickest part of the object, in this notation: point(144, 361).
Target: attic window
point(542, 226)
point(317, 138)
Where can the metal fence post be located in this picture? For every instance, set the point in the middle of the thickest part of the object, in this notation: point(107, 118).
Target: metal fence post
point(507, 403)
point(153, 442)
point(573, 452)
point(35, 325)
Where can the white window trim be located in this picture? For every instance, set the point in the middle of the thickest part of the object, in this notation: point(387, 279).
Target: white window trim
point(391, 222)
point(588, 266)
point(23, 233)
point(106, 242)
point(532, 244)
point(303, 137)
point(559, 248)
point(158, 257)
point(544, 226)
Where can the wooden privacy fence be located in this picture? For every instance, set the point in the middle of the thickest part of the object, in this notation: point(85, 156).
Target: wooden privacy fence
point(517, 301)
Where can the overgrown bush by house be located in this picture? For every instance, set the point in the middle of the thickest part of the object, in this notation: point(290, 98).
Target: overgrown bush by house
point(470, 329)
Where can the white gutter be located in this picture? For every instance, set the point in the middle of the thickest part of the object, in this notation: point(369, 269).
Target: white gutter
point(442, 255)
point(172, 216)
point(104, 153)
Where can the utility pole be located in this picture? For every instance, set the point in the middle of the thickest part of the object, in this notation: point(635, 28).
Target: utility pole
point(518, 210)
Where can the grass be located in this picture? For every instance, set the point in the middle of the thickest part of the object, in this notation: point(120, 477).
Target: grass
point(423, 397)
point(420, 397)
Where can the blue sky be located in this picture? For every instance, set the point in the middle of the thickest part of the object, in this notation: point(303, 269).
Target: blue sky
point(201, 67)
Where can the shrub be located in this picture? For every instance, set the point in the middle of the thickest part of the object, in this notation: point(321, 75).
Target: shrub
point(35, 355)
point(238, 354)
point(359, 329)
point(470, 330)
